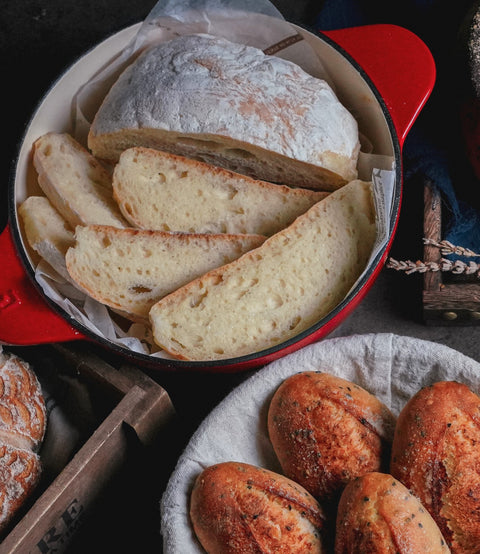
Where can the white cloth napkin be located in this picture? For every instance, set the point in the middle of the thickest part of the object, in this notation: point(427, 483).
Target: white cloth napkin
point(392, 367)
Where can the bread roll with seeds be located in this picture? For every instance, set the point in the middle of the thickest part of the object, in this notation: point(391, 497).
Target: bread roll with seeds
point(435, 454)
point(378, 514)
point(237, 507)
point(326, 431)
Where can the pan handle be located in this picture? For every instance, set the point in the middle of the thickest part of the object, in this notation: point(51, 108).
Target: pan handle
point(25, 317)
point(399, 64)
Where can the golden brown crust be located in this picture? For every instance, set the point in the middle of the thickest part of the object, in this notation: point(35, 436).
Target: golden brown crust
point(326, 431)
point(377, 514)
point(240, 508)
point(436, 454)
point(22, 406)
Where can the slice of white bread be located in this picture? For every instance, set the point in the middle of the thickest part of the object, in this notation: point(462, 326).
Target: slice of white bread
point(131, 269)
point(158, 190)
point(47, 232)
point(276, 291)
point(231, 105)
point(76, 183)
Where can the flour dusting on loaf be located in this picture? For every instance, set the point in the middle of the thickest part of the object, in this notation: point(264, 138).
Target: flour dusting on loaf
point(23, 421)
point(231, 105)
point(276, 291)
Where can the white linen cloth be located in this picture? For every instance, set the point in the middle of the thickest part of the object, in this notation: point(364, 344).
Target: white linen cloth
point(390, 366)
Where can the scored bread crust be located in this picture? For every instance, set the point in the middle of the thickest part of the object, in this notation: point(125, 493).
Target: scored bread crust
point(326, 431)
point(23, 421)
point(20, 472)
point(237, 507)
point(158, 190)
point(233, 106)
point(131, 269)
point(378, 514)
point(22, 406)
point(434, 456)
point(275, 291)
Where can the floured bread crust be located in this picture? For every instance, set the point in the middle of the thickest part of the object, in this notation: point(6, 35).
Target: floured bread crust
point(233, 106)
point(23, 421)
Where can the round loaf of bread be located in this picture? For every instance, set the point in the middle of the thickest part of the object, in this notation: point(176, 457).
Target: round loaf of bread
point(237, 507)
point(23, 422)
point(326, 431)
point(378, 514)
point(231, 105)
point(435, 453)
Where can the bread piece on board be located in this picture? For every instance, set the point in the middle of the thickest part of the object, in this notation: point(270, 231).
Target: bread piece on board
point(435, 454)
point(77, 184)
point(326, 431)
point(276, 291)
point(131, 269)
point(23, 422)
point(233, 106)
point(158, 190)
point(378, 514)
point(47, 232)
point(237, 507)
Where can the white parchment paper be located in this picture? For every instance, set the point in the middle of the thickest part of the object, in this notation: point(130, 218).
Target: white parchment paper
point(390, 366)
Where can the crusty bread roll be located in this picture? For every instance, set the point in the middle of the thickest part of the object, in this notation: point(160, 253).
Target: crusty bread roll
point(233, 106)
point(47, 232)
point(276, 291)
point(237, 507)
point(158, 190)
point(131, 269)
point(23, 421)
point(378, 514)
point(75, 182)
point(435, 454)
point(326, 431)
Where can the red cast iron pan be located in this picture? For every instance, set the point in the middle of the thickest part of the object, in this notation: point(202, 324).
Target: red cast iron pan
point(385, 67)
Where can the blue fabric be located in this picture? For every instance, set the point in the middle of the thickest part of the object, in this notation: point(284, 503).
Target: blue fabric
point(433, 148)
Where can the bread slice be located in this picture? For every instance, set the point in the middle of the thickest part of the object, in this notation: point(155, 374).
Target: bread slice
point(276, 291)
point(76, 183)
point(231, 105)
point(131, 269)
point(158, 190)
point(47, 232)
